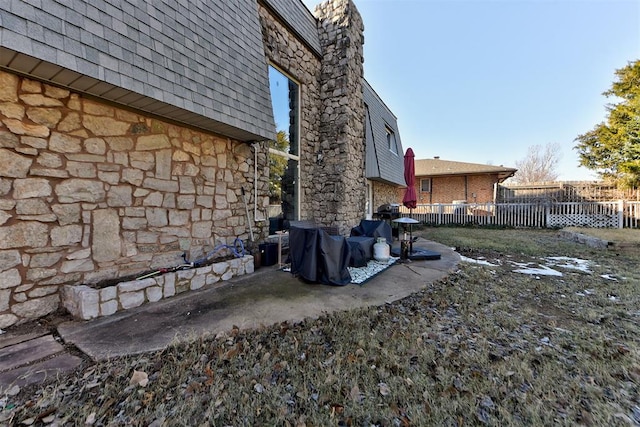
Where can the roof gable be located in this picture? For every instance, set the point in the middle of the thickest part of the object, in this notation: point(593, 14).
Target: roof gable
point(381, 163)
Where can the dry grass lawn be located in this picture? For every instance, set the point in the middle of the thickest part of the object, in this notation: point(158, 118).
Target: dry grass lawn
point(531, 330)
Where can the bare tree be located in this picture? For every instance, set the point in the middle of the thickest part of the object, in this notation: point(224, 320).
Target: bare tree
point(539, 165)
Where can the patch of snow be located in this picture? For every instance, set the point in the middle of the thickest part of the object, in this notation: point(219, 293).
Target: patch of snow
point(585, 292)
point(477, 261)
point(541, 270)
point(520, 264)
point(609, 277)
point(569, 263)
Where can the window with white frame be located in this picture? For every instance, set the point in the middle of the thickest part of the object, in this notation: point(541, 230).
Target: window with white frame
point(391, 140)
point(425, 185)
point(284, 154)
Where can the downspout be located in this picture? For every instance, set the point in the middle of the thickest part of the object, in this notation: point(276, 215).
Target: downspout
point(257, 216)
point(466, 188)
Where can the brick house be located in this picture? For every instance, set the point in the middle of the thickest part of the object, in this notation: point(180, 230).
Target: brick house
point(445, 181)
point(134, 132)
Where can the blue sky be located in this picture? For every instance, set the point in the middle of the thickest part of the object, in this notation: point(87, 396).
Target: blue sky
point(481, 81)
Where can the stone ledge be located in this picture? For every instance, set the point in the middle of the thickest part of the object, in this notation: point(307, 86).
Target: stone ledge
point(590, 241)
point(84, 302)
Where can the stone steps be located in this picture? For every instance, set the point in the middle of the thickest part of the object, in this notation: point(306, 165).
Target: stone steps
point(31, 359)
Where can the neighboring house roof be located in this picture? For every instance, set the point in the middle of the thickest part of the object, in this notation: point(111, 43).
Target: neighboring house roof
point(437, 167)
point(299, 19)
point(200, 63)
point(381, 163)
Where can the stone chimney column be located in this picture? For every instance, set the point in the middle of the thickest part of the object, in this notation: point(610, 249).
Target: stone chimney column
point(339, 172)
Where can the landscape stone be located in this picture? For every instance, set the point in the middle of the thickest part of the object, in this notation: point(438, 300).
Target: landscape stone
point(119, 196)
point(55, 92)
point(7, 320)
point(142, 160)
point(35, 308)
point(169, 287)
point(198, 281)
point(24, 234)
point(108, 308)
point(68, 213)
point(31, 187)
point(38, 100)
point(136, 285)
point(163, 164)
point(36, 274)
point(5, 296)
point(70, 123)
point(48, 117)
point(106, 245)
point(157, 217)
point(32, 207)
point(12, 111)
point(108, 293)
point(154, 293)
point(9, 259)
point(8, 87)
point(119, 143)
point(80, 190)
point(42, 291)
point(77, 265)
point(81, 170)
point(161, 185)
point(131, 299)
point(31, 86)
point(66, 235)
point(81, 301)
point(81, 254)
point(49, 160)
point(10, 279)
point(152, 142)
point(64, 143)
point(8, 140)
point(14, 165)
point(4, 217)
point(44, 260)
point(104, 126)
point(132, 176)
point(95, 146)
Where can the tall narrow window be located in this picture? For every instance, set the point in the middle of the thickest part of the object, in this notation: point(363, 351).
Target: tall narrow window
point(391, 140)
point(284, 154)
point(425, 185)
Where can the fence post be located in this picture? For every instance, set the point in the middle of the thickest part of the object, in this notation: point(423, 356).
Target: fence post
point(439, 213)
point(620, 213)
point(547, 212)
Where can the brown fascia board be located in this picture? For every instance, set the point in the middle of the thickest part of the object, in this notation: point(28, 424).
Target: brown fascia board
point(509, 172)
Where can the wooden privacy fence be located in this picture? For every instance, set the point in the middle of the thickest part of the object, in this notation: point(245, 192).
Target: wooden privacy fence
point(616, 214)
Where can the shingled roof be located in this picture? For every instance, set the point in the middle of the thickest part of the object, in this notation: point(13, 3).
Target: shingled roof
point(437, 167)
point(200, 63)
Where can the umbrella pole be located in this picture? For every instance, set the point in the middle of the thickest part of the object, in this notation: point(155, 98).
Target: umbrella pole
point(410, 232)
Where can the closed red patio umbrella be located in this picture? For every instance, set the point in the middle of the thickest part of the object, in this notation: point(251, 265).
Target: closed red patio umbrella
point(410, 198)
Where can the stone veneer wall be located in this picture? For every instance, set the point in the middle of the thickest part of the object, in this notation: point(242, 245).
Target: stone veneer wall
point(386, 193)
point(342, 135)
point(90, 192)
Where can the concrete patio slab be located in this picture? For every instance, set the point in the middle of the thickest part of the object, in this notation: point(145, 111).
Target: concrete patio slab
point(265, 297)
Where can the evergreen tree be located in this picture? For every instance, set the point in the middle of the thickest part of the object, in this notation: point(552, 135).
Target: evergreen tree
point(612, 148)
